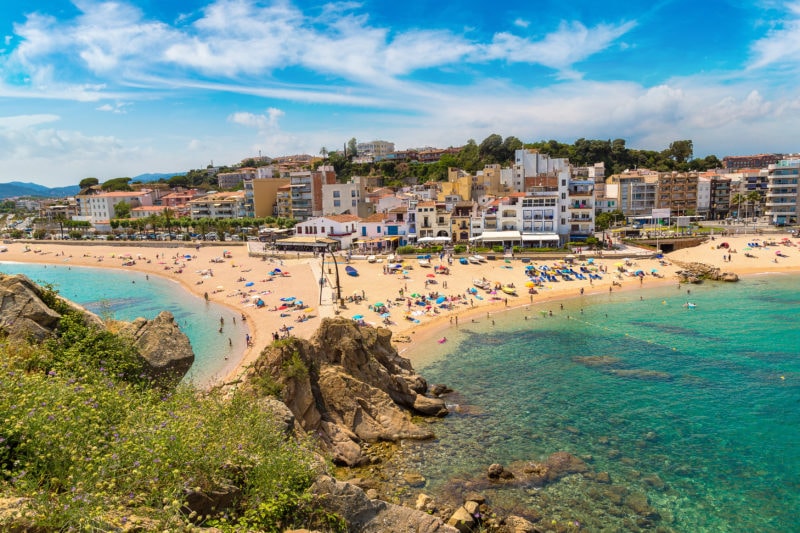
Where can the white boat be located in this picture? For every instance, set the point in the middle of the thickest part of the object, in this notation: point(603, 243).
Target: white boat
point(474, 260)
point(371, 259)
point(482, 284)
point(479, 258)
point(424, 263)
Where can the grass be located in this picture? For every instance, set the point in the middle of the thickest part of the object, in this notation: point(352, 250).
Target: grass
point(93, 445)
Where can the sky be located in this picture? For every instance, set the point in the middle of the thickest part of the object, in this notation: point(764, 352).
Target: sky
point(119, 88)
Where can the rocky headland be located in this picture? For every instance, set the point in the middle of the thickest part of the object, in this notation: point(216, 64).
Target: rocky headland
point(27, 313)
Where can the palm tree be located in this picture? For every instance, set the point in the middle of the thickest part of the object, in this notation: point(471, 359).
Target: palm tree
point(754, 197)
point(737, 200)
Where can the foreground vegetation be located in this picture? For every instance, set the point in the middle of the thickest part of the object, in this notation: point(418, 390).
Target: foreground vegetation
point(93, 445)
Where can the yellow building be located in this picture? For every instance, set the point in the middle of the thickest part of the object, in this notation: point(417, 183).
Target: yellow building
point(265, 195)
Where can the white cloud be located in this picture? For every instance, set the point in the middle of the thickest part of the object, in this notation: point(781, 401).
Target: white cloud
point(263, 122)
point(521, 23)
point(560, 50)
point(117, 108)
point(26, 121)
point(781, 45)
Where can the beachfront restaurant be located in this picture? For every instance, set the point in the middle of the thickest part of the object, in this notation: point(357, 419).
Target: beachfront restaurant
point(509, 239)
point(376, 245)
point(307, 243)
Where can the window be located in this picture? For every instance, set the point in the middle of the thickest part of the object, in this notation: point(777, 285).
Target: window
point(337, 203)
point(336, 194)
point(353, 193)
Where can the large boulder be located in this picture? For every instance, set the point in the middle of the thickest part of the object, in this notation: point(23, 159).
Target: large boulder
point(24, 314)
point(162, 344)
point(348, 386)
point(368, 516)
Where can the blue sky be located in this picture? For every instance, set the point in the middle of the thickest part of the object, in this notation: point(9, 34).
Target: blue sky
point(119, 88)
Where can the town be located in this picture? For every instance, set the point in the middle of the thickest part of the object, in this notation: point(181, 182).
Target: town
point(536, 201)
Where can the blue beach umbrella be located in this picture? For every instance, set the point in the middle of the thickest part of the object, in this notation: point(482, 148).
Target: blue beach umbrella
point(249, 284)
point(441, 299)
point(358, 317)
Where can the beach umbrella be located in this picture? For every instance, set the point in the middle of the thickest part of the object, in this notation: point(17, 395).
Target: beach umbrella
point(379, 304)
point(385, 315)
point(653, 270)
point(249, 284)
point(415, 295)
point(288, 299)
point(358, 317)
point(441, 299)
point(530, 284)
point(590, 260)
point(431, 276)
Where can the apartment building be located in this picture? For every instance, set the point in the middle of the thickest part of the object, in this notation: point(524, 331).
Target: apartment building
point(100, 207)
point(219, 205)
point(783, 194)
point(677, 191)
point(306, 191)
point(232, 180)
point(375, 148)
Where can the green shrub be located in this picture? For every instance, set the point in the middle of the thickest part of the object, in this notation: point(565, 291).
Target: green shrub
point(405, 250)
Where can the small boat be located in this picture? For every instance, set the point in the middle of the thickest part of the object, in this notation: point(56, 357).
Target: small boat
point(424, 263)
point(474, 260)
point(371, 259)
point(482, 284)
point(463, 260)
point(509, 290)
point(480, 258)
point(690, 305)
point(351, 271)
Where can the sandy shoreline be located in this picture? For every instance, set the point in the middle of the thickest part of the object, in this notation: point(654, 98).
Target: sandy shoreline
point(235, 279)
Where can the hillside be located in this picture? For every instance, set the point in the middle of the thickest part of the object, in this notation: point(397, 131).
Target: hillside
point(16, 189)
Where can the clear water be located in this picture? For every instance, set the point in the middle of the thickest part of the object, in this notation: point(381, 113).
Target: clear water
point(129, 295)
point(718, 422)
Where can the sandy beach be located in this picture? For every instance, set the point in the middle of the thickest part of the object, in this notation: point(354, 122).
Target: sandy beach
point(231, 275)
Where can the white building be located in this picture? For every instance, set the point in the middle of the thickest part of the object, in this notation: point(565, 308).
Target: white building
point(783, 192)
point(375, 148)
point(100, 207)
point(340, 198)
point(341, 228)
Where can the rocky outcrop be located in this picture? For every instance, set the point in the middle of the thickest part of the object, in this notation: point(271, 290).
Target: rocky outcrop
point(26, 315)
point(162, 344)
point(365, 515)
point(23, 313)
point(697, 272)
point(348, 385)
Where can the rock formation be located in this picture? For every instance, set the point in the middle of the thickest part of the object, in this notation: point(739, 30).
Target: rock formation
point(365, 515)
point(25, 315)
point(697, 272)
point(162, 344)
point(348, 385)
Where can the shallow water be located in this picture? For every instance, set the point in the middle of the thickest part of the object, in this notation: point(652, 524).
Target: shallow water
point(129, 295)
point(703, 400)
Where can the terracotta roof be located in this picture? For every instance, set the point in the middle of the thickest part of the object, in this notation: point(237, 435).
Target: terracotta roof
point(343, 218)
point(377, 217)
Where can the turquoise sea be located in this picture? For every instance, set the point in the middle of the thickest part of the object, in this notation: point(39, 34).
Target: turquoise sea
point(128, 295)
point(698, 409)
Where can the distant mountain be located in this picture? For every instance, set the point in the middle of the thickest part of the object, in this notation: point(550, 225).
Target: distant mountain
point(17, 188)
